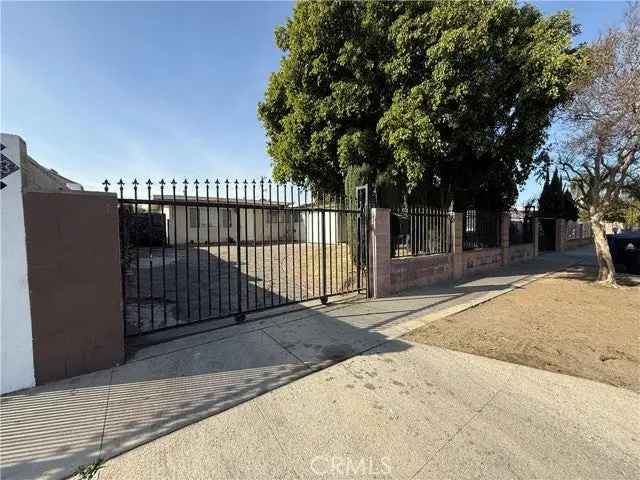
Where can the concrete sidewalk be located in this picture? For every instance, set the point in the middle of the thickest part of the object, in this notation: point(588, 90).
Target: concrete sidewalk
point(406, 410)
point(47, 432)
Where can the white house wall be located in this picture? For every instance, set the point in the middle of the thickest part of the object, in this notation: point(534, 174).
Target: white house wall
point(15, 332)
point(334, 227)
point(272, 232)
point(307, 229)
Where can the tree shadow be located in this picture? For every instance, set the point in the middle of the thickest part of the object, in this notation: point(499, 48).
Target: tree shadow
point(49, 431)
point(168, 287)
point(589, 275)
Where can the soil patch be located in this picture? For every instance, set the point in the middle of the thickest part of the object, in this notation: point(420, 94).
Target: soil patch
point(564, 323)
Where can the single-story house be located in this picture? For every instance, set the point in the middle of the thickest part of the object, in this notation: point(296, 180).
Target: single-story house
point(261, 225)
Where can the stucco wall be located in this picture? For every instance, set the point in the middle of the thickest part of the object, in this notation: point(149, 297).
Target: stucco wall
point(309, 228)
point(335, 229)
point(182, 224)
point(15, 328)
point(74, 270)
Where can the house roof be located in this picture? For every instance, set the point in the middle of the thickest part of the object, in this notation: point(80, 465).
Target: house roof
point(168, 199)
point(38, 178)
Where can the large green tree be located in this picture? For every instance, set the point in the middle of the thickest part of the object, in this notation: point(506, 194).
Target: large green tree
point(437, 100)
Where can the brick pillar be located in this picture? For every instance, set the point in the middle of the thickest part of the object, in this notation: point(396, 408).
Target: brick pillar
point(505, 220)
point(380, 256)
point(536, 232)
point(561, 235)
point(456, 246)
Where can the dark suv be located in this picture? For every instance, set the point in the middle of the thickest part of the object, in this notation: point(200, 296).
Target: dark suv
point(625, 250)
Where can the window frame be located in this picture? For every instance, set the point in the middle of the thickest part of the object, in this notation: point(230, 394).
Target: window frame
point(194, 220)
point(225, 218)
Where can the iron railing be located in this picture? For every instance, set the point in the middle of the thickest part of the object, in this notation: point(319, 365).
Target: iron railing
point(521, 226)
point(210, 250)
point(420, 230)
point(480, 229)
point(578, 230)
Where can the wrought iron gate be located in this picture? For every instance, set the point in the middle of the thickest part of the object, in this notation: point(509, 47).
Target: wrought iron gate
point(201, 251)
point(547, 234)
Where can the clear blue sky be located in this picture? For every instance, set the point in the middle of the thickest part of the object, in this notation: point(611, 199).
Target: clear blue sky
point(109, 90)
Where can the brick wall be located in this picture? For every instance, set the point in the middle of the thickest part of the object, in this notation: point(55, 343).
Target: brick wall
point(393, 275)
point(478, 261)
point(408, 272)
point(519, 253)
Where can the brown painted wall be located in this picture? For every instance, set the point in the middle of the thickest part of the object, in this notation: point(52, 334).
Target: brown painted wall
point(73, 257)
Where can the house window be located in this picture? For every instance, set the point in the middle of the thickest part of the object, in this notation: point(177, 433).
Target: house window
point(225, 218)
point(193, 218)
point(273, 216)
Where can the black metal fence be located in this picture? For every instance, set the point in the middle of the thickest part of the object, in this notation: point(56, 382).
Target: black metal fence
point(546, 234)
point(213, 250)
point(521, 226)
point(420, 230)
point(480, 229)
point(578, 230)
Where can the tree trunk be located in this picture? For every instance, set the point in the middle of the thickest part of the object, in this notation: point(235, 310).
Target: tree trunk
point(606, 269)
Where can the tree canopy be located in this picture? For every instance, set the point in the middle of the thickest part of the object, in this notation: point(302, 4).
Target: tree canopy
point(555, 201)
point(437, 100)
point(551, 202)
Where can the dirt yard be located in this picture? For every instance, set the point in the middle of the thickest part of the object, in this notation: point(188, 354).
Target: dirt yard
point(562, 323)
point(183, 285)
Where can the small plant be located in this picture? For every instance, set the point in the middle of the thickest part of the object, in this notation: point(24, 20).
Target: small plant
point(87, 472)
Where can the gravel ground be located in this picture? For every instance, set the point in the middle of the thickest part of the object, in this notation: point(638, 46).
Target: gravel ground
point(564, 324)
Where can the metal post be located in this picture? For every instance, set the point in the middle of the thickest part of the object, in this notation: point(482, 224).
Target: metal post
point(186, 249)
point(358, 250)
point(367, 228)
point(124, 254)
point(240, 316)
point(136, 226)
point(323, 298)
point(362, 199)
point(164, 263)
point(150, 226)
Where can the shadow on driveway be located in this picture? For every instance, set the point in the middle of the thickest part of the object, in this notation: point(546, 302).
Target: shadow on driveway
point(48, 431)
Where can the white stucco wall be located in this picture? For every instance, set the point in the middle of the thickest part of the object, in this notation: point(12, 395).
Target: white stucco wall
point(16, 345)
point(287, 230)
point(308, 228)
point(334, 229)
